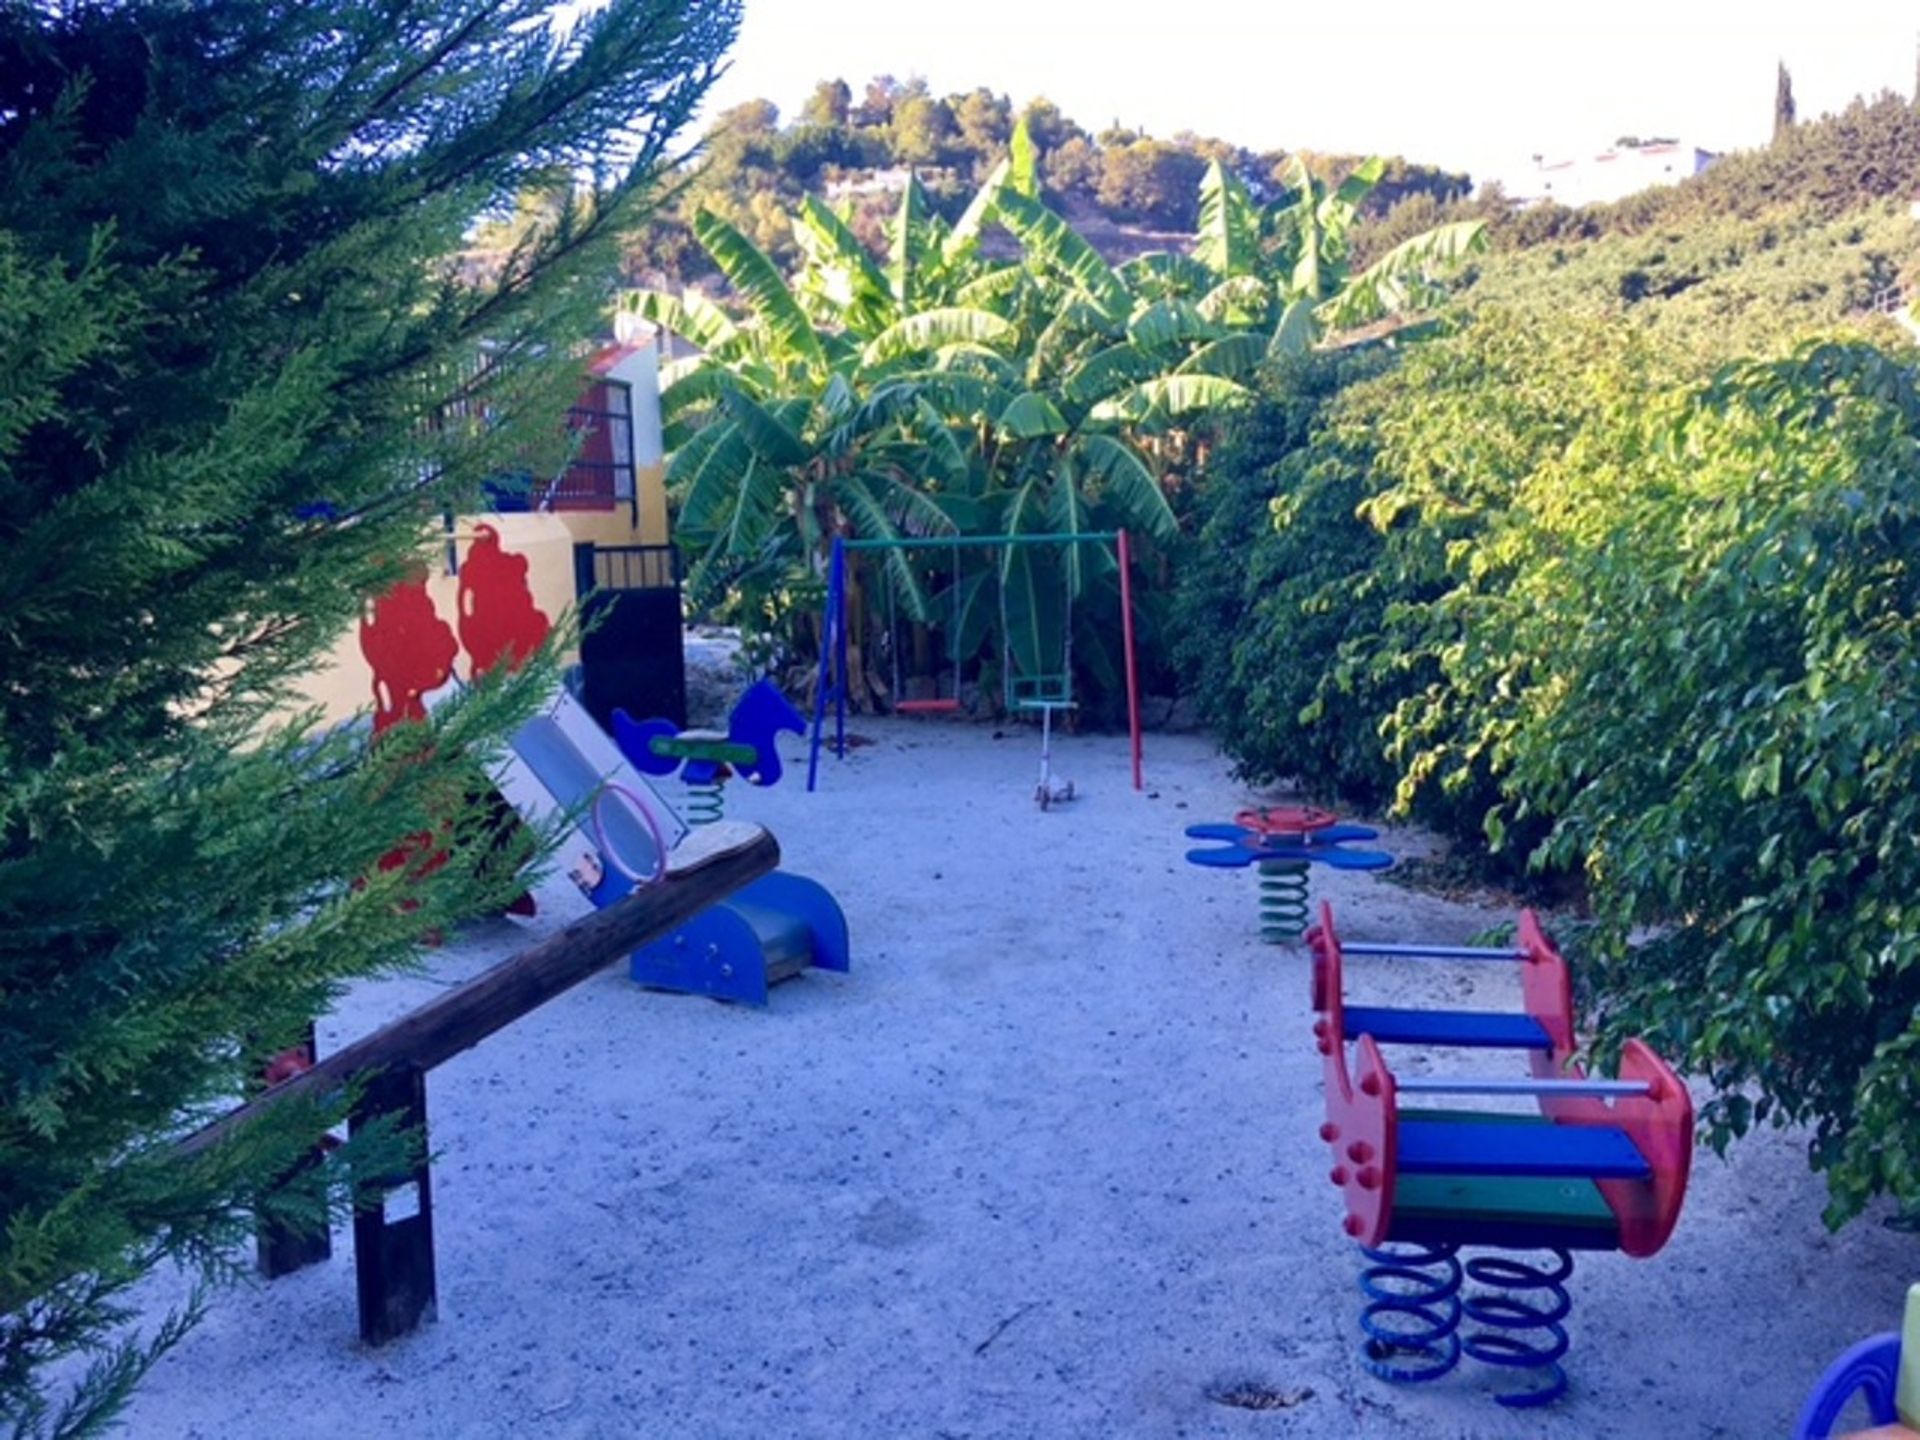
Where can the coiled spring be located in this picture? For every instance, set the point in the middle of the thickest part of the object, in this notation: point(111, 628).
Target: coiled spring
point(706, 801)
point(1283, 901)
point(1412, 1315)
point(1520, 1314)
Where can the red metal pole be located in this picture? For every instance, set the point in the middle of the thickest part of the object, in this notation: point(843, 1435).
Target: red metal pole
point(1133, 670)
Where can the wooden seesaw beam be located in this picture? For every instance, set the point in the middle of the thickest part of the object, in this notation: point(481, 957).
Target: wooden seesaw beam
point(393, 1258)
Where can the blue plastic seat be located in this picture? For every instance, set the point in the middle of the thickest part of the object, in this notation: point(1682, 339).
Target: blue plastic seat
point(1490, 1029)
point(1548, 1151)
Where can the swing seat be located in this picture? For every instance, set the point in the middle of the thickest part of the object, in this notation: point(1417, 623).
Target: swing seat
point(1042, 692)
point(926, 707)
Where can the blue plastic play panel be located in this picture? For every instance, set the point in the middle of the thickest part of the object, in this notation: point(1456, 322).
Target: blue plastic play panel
point(1239, 846)
point(1489, 1029)
point(1446, 1147)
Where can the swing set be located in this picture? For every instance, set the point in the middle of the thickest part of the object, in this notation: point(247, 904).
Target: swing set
point(1041, 691)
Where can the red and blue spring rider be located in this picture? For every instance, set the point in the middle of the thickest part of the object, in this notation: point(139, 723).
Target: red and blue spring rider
point(1599, 1165)
point(1280, 842)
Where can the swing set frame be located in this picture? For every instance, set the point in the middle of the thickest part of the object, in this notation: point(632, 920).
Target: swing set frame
point(832, 683)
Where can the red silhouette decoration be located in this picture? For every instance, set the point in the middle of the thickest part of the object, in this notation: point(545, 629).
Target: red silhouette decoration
point(411, 650)
point(498, 619)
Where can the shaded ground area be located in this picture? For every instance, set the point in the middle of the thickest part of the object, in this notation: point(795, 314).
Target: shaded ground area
point(1044, 1164)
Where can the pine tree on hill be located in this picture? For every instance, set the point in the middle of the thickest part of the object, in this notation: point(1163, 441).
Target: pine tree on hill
point(241, 373)
point(1783, 109)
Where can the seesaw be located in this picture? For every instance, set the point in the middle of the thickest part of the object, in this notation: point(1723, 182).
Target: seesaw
point(1599, 1165)
point(618, 836)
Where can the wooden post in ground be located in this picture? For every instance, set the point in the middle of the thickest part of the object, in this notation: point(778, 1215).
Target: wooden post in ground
point(393, 1233)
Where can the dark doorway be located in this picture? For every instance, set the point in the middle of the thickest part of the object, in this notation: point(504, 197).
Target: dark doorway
point(631, 657)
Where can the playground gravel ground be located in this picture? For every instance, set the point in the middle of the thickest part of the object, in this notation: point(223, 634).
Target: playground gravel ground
point(1043, 1165)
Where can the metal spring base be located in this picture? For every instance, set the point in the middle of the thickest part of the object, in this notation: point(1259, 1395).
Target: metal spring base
point(1521, 1313)
point(706, 803)
point(1415, 1303)
point(1283, 901)
point(1412, 1315)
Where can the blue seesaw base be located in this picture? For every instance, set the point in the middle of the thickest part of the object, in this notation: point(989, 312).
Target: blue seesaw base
point(776, 927)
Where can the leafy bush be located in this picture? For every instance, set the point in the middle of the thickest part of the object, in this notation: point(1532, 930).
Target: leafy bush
point(1705, 663)
point(1264, 609)
point(1365, 485)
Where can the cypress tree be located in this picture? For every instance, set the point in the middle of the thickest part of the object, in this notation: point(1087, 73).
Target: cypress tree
point(242, 371)
point(1783, 110)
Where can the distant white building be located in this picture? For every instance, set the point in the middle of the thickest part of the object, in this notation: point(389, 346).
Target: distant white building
point(1612, 174)
point(878, 182)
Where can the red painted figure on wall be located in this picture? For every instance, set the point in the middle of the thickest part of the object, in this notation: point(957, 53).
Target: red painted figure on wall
point(411, 650)
point(498, 617)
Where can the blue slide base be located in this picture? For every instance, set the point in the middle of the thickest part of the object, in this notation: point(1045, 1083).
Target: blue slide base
point(722, 955)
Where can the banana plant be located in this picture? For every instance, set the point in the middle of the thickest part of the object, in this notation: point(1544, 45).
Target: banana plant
point(786, 432)
point(1285, 266)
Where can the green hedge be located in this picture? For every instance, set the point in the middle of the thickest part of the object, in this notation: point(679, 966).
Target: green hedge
point(1571, 592)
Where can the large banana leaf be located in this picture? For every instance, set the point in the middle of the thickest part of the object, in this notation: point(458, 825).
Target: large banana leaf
point(1169, 397)
point(701, 473)
point(992, 287)
point(1030, 417)
point(1338, 211)
point(931, 329)
point(769, 433)
point(1170, 322)
point(1077, 328)
point(948, 459)
point(904, 243)
point(1407, 277)
point(691, 316)
point(872, 521)
point(1228, 241)
point(1236, 357)
point(977, 360)
point(690, 402)
point(1109, 371)
point(1023, 162)
point(962, 398)
point(1296, 332)
point(842, 270)
point(1071, 516)
point(1032, 592)
point(964, 242)
point(1164, 275)
point(1126, 486)
point(757, 282)
point(1243, 300)
point(1052, 244)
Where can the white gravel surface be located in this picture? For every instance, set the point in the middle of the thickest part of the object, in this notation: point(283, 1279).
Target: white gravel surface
point(1043, 1165)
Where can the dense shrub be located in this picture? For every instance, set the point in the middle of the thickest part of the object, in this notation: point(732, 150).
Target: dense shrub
point(1695, 641)
point(1263, 609)
point(1346, 504)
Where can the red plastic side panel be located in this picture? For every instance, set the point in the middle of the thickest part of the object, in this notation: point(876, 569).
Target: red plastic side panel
point(1548, 991)
point(1360, 1126)
point(1660, 1124)
point(1365, 1157)
point(1322, 938)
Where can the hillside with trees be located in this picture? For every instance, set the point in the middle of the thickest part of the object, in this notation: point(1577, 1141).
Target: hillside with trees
point(1125, 191)
point(1813, 228)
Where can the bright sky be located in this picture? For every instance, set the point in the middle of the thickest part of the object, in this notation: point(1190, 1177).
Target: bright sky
point(1479, 85)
